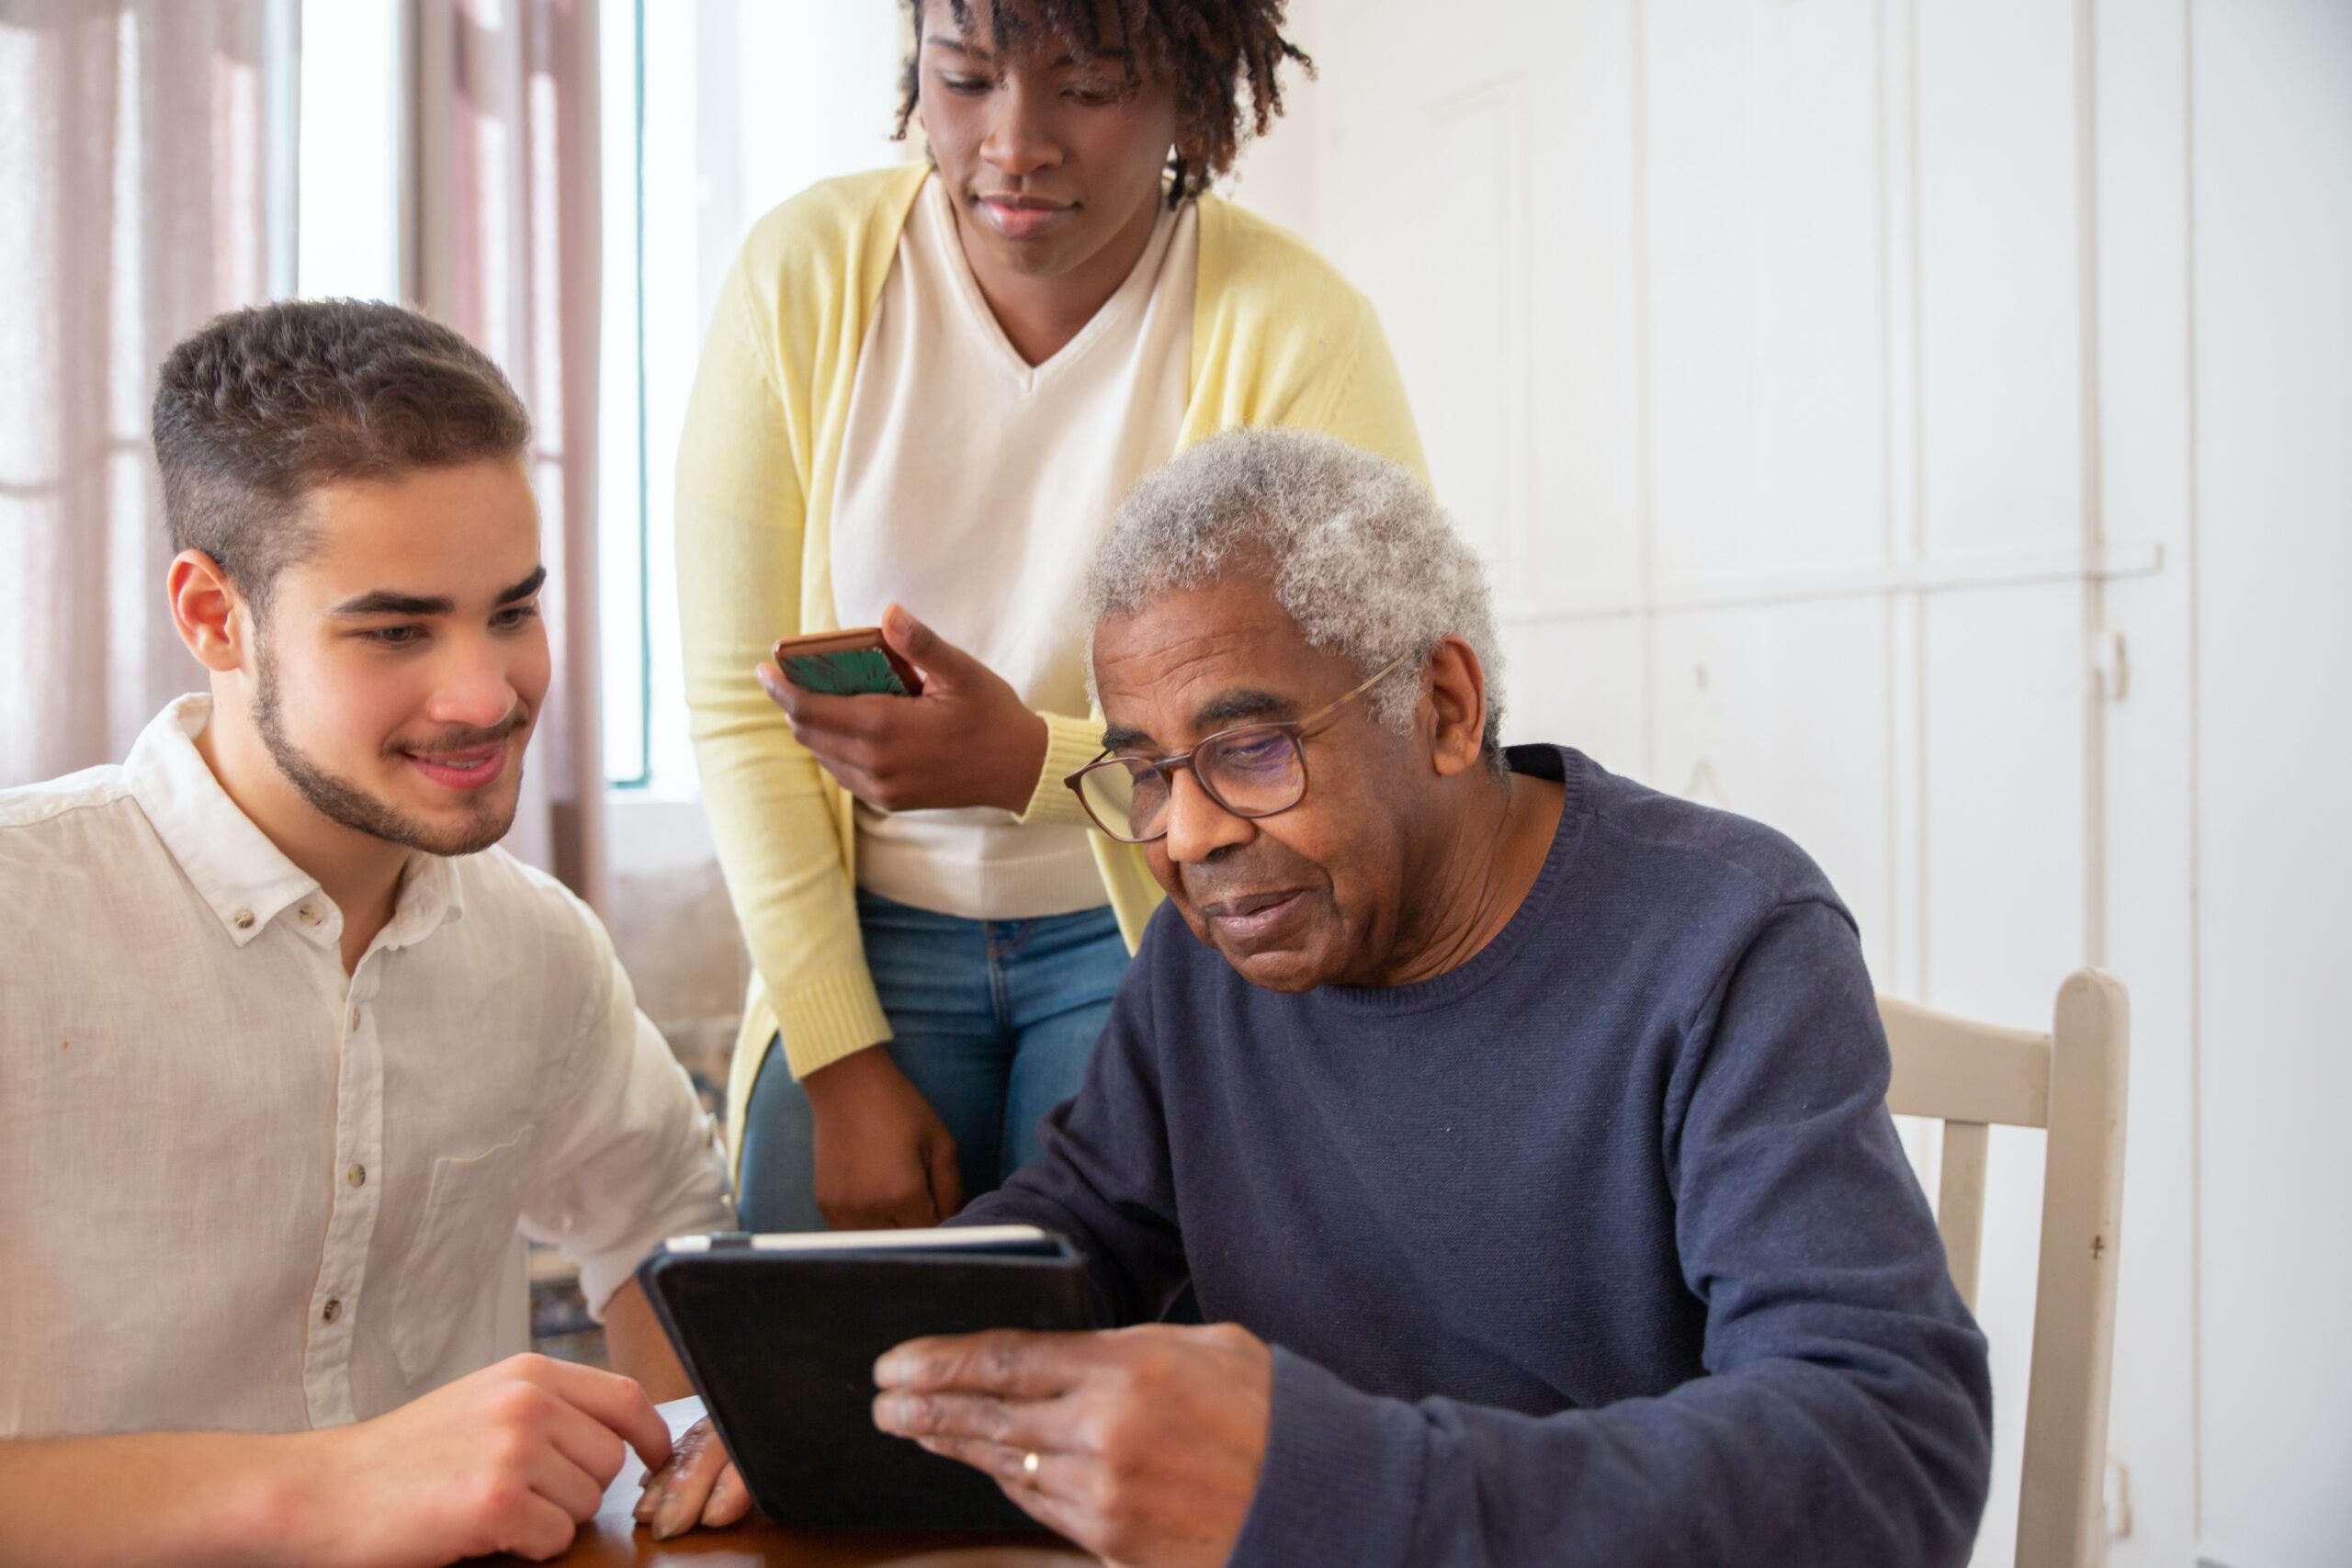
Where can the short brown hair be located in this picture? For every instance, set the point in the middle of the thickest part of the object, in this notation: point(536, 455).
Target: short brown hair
point(264, 405)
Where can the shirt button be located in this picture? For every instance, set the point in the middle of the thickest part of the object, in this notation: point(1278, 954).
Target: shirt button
point(310, 914)
point(333, 1310)
point(356, 1176)
point(244, 919)
point(354, 1020)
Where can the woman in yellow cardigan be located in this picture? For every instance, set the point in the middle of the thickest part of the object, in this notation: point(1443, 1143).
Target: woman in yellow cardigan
point(922, 392)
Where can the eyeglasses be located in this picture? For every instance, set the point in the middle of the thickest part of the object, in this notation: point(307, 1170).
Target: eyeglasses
point(1252, 769)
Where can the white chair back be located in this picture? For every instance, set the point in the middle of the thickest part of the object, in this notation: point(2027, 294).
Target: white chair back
point(2070, 1082)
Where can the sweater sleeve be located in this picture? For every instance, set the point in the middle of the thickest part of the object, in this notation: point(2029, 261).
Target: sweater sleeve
point(1845, 1416)
point(741, 516)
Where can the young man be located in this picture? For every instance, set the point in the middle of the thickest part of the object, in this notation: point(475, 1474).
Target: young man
point(289, 1052)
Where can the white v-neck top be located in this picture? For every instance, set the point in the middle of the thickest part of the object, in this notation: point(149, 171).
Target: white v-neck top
point(974, 488)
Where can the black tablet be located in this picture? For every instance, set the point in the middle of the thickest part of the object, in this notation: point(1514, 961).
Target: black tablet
point(780, 1334)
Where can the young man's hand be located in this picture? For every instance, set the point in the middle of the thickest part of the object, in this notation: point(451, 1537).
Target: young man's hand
point(1142, 1445)
point(966, 740)
point(510, 1459)
point(884, 1159)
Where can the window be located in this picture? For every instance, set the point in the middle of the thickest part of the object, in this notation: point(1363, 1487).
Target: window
point(712, 114)
point(348, 212)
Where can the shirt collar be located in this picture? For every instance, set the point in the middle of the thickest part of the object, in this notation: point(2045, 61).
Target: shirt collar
point(431, 893)
point(247, 880)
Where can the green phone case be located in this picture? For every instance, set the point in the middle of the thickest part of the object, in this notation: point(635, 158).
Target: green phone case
point(844, 675)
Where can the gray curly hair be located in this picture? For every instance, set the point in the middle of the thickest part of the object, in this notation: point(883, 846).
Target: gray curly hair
point(1357, 551)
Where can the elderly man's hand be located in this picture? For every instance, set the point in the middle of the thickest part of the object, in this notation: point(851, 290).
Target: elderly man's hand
point(1142, 1445)
point(700, 1485)
point(966, 739)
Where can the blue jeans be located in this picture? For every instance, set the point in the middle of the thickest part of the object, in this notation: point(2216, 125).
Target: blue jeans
point(994, 1022)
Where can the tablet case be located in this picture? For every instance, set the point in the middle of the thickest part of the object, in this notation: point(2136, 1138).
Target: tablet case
point(782, 1347)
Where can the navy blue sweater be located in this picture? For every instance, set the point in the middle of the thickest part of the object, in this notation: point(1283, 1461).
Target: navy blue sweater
point(1598, 1248)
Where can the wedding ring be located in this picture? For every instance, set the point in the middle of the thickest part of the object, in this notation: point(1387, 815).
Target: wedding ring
point(1029, 1464)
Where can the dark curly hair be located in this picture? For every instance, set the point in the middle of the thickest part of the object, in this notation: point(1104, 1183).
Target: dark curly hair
point(1211, 49)
point(261, 406)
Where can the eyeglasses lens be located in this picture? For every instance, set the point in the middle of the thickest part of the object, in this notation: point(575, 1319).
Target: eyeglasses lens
point(1126, 800)
point(1255, 772)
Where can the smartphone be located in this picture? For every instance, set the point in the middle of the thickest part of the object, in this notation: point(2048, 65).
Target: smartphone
point(846, 663)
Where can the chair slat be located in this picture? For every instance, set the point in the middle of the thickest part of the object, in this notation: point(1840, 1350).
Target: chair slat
point(1959, 1204)
point(1949, 1069)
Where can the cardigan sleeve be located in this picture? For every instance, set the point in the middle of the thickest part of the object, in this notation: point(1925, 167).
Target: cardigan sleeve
point(1280, 339)
point(741, 519)
point(1362, 400)
point(1070, 744)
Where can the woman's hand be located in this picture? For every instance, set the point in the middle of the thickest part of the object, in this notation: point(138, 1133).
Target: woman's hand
point(884, 1159)
point(968, 739)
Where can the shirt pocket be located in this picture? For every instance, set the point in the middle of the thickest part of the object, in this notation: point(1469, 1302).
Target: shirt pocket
point(453, 1281)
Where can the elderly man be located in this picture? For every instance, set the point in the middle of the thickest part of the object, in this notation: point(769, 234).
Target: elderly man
point(1526, 1127)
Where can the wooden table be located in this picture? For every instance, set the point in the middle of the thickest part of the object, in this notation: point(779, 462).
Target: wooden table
point(613, 1539)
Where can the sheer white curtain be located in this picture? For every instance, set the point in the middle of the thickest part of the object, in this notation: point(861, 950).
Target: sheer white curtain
point(147, 182)
point(146, 185)
point(503, 243)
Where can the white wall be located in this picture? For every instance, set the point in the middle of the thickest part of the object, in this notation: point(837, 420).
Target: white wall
point(2272, 172)
point(1922, 424)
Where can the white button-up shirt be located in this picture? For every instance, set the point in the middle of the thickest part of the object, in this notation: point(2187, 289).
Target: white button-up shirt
point(242, 1189)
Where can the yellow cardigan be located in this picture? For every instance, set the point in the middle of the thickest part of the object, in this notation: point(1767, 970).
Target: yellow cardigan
point(1278, 338)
